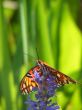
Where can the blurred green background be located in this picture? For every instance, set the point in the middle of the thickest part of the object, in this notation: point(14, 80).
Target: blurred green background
point(54, 27)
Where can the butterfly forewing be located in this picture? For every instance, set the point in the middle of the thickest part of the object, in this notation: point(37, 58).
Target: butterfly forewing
point(60, 78)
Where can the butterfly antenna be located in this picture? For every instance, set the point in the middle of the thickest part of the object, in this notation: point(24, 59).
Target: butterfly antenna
point(37, 53)
point(77, 82)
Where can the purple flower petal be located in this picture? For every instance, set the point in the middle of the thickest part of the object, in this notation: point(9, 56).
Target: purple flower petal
point(47, 89)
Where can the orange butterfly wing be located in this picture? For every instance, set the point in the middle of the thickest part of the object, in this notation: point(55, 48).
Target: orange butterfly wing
point(61, 78)
point(28, 83)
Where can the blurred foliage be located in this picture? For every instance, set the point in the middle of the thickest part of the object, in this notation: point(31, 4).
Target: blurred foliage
point(54, 28)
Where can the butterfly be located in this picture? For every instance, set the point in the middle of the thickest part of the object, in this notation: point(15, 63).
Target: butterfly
point(28, 81)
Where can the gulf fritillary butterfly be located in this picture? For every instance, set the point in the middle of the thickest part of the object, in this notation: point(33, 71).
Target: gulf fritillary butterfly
point(28, 82)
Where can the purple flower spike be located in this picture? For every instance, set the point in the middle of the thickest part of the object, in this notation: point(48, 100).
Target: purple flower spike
point(46, 90)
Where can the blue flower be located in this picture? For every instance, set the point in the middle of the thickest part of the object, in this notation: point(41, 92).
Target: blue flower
point(46, 90)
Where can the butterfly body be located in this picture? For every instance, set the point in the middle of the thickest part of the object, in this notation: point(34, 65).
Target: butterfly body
point(28, 81)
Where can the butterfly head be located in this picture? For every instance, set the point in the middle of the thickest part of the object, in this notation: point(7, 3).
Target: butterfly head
point(39, 62)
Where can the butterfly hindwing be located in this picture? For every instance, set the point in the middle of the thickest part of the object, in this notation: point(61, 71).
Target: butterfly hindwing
point(28, 82)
